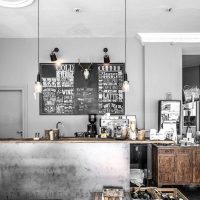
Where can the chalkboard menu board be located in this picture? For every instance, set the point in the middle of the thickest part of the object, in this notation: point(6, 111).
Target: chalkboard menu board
point(111, 96)
point(67, 92)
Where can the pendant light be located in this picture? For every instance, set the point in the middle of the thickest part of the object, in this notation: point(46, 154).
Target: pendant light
point(125, 86)
point(38, 84)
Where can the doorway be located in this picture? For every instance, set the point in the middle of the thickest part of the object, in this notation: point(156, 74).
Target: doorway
point(12, 113)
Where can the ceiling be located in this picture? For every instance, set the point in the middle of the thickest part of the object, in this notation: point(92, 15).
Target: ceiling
point(99, 18)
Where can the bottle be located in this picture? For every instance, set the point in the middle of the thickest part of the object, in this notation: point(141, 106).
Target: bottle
point(132, 130)
point(51, 135)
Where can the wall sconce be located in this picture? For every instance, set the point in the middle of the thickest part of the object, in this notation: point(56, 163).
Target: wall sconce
point(38, 84)
point(53, 54)
point(106, 57)
point(125, 86)
point(86, 71)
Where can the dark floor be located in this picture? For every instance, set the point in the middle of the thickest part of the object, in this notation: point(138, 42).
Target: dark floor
point(191, 192)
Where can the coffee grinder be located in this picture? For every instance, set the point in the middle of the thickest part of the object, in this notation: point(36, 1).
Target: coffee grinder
point(92, 128)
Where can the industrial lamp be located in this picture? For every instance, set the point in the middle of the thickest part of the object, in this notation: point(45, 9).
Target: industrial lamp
point(38, 84)
point(53, 54)
point(106, 57)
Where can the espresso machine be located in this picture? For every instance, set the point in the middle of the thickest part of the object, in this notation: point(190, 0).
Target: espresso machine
point(114, 126)
point(92, 128)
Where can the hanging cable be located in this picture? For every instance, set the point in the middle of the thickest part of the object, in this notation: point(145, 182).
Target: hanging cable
point(125, 86)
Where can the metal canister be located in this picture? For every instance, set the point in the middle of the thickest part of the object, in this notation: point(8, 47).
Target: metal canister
point(56, 134)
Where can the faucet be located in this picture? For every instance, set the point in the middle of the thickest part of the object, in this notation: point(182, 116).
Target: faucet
point(58, 128)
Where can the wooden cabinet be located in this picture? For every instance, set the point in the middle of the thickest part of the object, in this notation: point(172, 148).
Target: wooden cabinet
point(183, 166)
point(196, 166)
point(166, 168)
point(176, 165)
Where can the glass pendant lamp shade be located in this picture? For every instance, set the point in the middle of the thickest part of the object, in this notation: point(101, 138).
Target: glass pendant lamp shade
point(125, 86)
point(38, 87)
point(38, 84)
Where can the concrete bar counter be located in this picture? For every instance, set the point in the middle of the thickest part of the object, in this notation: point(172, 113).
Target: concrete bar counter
point(70, 168)
point(60, 170)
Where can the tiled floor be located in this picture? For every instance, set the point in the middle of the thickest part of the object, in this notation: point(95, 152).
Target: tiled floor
point(191, 192)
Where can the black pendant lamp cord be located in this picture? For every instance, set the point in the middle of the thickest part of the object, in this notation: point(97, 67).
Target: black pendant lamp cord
point(125, 32)
point(38, 32)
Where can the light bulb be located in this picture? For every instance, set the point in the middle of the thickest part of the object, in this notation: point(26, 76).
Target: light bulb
point(125, 86)
point(38, 87)
point(86, 73)
point(58, 62)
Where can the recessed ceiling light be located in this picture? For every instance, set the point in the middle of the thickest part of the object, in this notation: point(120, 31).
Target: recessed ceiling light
point(15, 3)
point(77, 10)
point(170, 9)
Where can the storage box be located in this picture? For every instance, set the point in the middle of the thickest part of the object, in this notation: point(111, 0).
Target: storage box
point(171, 191)
point(99, 196)
point(156, 192)
point(150, 190)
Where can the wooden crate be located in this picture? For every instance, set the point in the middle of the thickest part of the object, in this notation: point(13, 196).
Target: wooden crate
point(149, 189)
point(152, 190)
point(98, 196)
point(172, 191)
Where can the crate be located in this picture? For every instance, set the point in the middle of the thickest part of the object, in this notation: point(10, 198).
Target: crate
point(172, 191)
point(156, 192)
point(98, 196)
point(149, 190)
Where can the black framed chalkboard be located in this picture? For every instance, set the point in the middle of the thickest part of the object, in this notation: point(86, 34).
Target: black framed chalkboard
point(67, 92)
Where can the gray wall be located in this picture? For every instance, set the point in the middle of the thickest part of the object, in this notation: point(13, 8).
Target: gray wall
point(18, 67)
point(163, 73)
point(149, 81)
